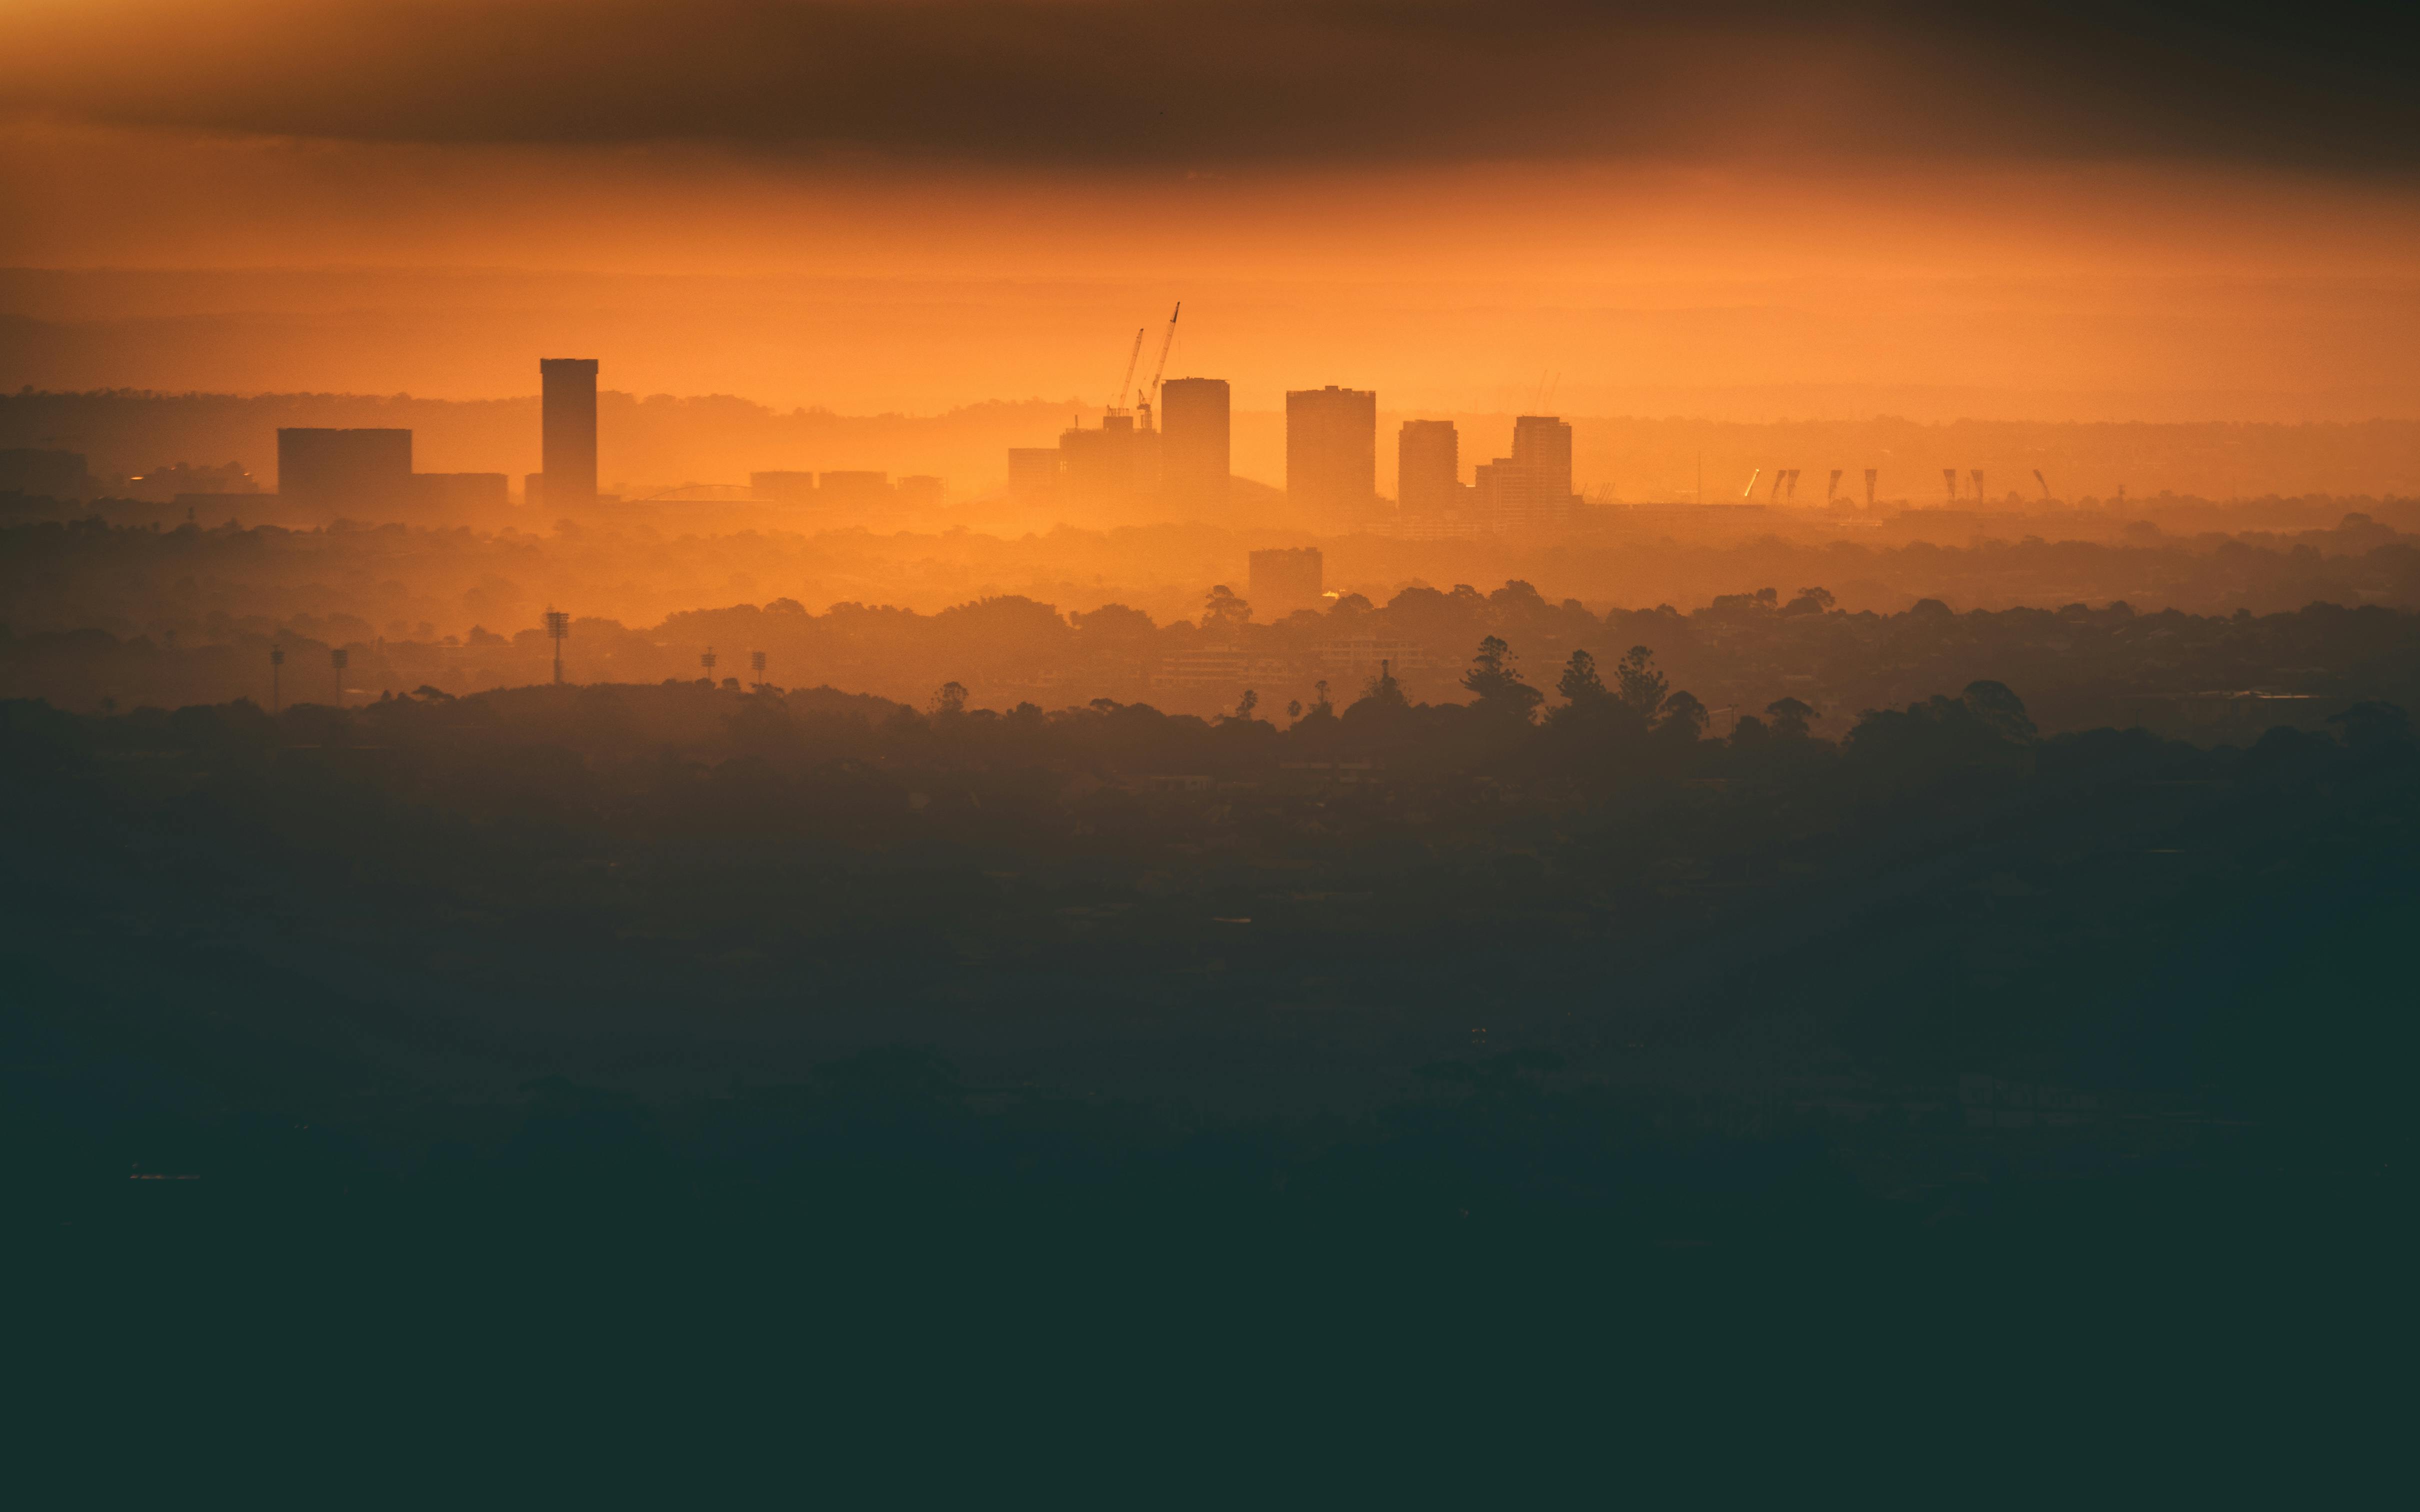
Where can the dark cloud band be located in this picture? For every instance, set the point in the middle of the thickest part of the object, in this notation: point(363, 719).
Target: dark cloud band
point(1100, 83)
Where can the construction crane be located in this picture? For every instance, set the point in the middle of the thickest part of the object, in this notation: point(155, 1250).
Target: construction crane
point(1133, 355)
point(1147, 400)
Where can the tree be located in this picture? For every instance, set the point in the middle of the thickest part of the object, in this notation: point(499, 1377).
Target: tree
point(949, 698)
point(1497, 683)
point(1580, 683)
point(1997, 708)
point(1791, 717)
point(1685, 717)
point(1638, 683)
point(1244, 705)
point(1223, 610)
point(1383, 691)
point(1809, 601)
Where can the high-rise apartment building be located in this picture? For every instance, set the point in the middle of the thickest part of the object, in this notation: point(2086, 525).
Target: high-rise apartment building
point(1332, 457)
point(569, 438)
point(1530, 491)
point(1542, 447)
point(1193, 445)
point(1428, 468)
point(327, 468)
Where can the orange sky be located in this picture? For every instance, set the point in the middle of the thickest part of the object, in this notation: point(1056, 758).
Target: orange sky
point(1839, 230)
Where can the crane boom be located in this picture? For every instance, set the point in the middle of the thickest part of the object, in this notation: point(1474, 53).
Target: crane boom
point(1118, 394)
point(1165, 342)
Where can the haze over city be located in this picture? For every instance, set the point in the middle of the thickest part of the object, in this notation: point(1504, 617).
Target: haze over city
point(1066, 667)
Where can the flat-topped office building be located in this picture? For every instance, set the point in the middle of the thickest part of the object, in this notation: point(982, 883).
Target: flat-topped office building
point(1332, 457)
point(567, 449)
point(1194, 446)
point(1428, 468)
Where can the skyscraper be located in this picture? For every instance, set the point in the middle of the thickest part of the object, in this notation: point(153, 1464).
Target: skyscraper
point(1531, 491)
point(1543, 445)
point(569, 453)
point(1193, 447)
point(1332, 456)
point(1428, 468)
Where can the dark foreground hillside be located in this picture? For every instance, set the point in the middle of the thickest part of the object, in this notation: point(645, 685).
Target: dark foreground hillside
point(1427, 967)
point(832, 1063)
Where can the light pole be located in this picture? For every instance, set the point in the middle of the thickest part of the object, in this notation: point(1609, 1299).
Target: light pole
point(277, 664)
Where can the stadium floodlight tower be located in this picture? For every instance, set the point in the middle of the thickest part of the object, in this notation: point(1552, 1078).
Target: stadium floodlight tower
point(277, 668)
point(756, 664)
point(336, 660)
point(558, 625)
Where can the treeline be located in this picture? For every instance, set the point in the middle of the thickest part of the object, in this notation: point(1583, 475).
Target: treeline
point(400, 583)
point(2209, 677)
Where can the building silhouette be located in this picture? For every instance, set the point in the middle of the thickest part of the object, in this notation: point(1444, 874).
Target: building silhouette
point(1284, 579)
point(1531, 491)
point(1032, 474)
point(1435, 504)
point(1111, 470)
point(320, 468)
point(40, 473)
point(1428, 466)
point(569, 431)
point(783, 486)
point(1332, 457)
point(1194, 445)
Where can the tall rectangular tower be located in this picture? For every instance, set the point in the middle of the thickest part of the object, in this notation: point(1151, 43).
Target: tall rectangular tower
point(1193, 445)
point(1531, 491)
point(1428, 468)
point(1332, 457)
point(1541, 447)
point(569, 449)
